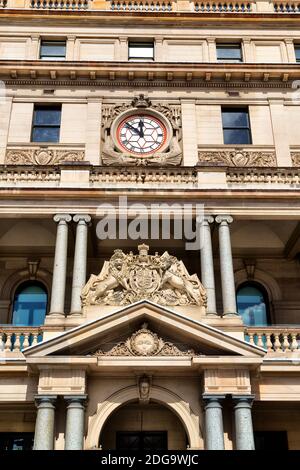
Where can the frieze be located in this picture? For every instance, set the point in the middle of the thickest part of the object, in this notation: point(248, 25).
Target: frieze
point(145, 342)
point(295, 156)
point(239, 158)
point(42, 156)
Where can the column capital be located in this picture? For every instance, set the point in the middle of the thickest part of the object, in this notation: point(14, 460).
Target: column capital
point(212, 401)
point(224, 219)
point(206, 220)
point(45, 401)
point(243, 401)
point(76, 401)
point(62, 218)
point(82, 218)
point(211, 40)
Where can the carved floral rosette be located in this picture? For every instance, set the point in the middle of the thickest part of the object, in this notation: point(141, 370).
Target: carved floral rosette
point(145, 343)
point(113, 156)
point(238, 158)
point(42, 156)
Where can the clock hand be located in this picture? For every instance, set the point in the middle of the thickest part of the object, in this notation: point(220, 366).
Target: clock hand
point(129, 126)
point(141, 126)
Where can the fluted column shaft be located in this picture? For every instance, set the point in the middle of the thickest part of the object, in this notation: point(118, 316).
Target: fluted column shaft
point(45, 420)
point(80, 258)
point(226, 265)
point(244, 437)
point(75, 422)
point(214, 432)
point(57, 306)
point(207, 265)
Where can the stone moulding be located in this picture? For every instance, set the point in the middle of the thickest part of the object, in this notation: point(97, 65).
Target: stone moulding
point(145, 343)
point(238, 158)
point(41, 156)
point(295, 156)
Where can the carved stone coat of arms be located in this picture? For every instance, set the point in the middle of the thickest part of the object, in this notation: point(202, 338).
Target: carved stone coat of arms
point(128, 278)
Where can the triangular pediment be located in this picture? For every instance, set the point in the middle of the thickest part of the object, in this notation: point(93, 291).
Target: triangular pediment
point(109, 334)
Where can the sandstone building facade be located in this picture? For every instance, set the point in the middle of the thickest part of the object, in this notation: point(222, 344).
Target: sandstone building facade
point(121, 343)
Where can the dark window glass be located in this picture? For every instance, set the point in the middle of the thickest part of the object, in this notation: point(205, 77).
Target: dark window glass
point(270, 440)
point(252, 304)
point(142, 441)
point(229, 53)
point(236, 126)
point(141, 51)
point(53, 50)
point(46, 124)
point(297, 53)
point(16, 440)
point(30, 304)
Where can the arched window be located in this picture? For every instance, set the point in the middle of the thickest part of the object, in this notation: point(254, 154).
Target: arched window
point(30, 304)
point(253, 304)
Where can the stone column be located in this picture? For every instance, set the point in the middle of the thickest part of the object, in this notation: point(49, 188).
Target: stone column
point(214, 432)
point(207, 265)
point(75, 422)
point(189, 132)
point(279, 121)
point(44, 426)
point(244, 438)
point(226, 265)
point(79, 269)
point(60, 265)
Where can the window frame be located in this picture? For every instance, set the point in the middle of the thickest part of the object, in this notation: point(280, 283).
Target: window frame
point(141, 44)
point(228, 45)
point(297, 48)
point(57, 42)
point(264, 292)
point(18, 287)
point(248, 127)
point(34, 126)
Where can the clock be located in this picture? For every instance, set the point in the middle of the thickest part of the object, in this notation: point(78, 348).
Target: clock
point(141, 134)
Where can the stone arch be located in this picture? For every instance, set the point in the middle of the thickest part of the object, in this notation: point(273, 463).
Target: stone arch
point(158, 394)
point(263, 278)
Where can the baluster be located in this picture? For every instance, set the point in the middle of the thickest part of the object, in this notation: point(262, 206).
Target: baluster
point(260, 342)
point(277, 343)
point(294, 344)
point(251, 338)
point(26, 340)
point(34, 339)
point(17, 343)
point(1, 341)
point(8, 343)
point(286, 343)
point(269, 342)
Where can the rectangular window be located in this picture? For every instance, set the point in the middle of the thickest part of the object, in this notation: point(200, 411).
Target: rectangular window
point(46, 123)
point(16, 440)
point(229, 53)
point(297, 52)
point(140, 51)
point(53, 50)
point(236, 126)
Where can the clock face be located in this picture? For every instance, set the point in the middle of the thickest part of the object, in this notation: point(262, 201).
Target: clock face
point(141, 134)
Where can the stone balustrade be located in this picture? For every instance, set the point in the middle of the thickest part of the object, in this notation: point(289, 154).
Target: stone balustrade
point(59, 4)
point(275, 339)
point(223, 7)
point(160, 6)
point(141, 5)
point(17, 338)
point(31, 176)
point(287, 177)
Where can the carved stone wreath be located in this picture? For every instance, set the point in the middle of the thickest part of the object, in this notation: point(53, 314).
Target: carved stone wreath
point(238, 158)
point(145, 343)
point(112, 156)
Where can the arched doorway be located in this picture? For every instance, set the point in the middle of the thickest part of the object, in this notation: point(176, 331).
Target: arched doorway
point(136, 426)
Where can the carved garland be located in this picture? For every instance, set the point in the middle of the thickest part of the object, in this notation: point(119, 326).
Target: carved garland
point(42, 156)
point(238, 158)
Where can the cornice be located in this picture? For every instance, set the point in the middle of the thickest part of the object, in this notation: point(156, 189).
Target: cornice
point(148, 74)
